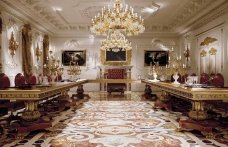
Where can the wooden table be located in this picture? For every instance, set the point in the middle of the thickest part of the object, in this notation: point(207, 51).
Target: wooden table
point(31, 97)
point(105, 81)
point(197, 96)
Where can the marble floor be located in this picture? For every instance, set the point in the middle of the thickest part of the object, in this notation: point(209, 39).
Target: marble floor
point(114, 121)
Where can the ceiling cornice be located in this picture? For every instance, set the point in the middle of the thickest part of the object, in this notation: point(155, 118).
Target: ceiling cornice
point(205, 17)
point(33, 13)
point(19, 12)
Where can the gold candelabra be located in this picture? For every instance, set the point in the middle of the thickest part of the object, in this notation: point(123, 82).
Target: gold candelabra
point(187, 56)
point(175, 66)
point(38, 53)
point(154, 70)
point(74, 69)
point(53, 67)
point(13, 45)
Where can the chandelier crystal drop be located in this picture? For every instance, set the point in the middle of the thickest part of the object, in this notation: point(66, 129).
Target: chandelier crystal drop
point(116, 41)
point(118, 18)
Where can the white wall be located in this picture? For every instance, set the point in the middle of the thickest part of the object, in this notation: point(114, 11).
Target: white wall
point(218, 29)
point(13, 65)
point(92, 47)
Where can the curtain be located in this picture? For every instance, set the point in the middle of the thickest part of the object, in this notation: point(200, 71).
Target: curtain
point(0, 44)
point(26, 50)
point(45, 52)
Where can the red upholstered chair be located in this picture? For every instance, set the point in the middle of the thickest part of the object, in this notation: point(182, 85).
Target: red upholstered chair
point(58, 78)
point(193, 74)
point(32, 80)
point(4, 81)
point(184, 78)
point(218, 80)
point(19, 80)
point(116, 74)
point(204, 78)
point(49, 78)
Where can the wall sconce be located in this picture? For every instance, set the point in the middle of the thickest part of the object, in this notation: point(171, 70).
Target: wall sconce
point(187, 56)
point(13, 45)
point(38, 53)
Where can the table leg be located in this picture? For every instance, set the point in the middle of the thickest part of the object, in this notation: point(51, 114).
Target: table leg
point(198, 112)
point(65, 95)
point(31, 112)
point(163, 101)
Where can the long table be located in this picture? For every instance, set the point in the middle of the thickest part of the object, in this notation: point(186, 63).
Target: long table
point(197, 96)
point(32, 96)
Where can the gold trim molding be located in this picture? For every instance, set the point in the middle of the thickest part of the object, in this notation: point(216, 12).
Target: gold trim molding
point(203, 53)
point(207, 41)
point(116, 63)
point(212, 51)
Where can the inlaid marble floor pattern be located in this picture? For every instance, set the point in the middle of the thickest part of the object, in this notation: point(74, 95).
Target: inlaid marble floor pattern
point(114, 121)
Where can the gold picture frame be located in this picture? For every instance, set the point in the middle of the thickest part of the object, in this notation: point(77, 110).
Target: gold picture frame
point(126, 61)
point(152, 57)
point(78, 55)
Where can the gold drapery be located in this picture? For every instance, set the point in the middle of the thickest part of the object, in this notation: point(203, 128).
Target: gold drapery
point(26, 50)
point(0, 43)
point(45, 52)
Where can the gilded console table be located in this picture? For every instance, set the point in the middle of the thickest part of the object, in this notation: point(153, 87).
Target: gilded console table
point(113, 81)
point(197, 96)
point(33, 95)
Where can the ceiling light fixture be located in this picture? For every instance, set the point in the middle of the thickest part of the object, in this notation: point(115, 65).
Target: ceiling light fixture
point(55, 8)
point(116, 41)
point(118, 18)
point(151, 9)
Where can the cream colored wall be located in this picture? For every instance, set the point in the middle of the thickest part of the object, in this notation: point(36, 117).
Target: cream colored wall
point(13, 65)
point(92, 47)
point(218, 29)
point(139, 44)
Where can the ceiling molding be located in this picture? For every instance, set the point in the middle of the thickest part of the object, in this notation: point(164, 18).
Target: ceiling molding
point(20, 13)
point(74, 20)
point(206, 17)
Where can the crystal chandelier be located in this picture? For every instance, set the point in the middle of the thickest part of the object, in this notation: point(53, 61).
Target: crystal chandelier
point(116, 41)
point(119, 18)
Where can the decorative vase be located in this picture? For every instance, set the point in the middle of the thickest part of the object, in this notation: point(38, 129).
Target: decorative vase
point(175, 77)
point(53, 79)
point(155, 77)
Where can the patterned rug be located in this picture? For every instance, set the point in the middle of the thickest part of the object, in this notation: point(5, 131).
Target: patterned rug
point(114, 124)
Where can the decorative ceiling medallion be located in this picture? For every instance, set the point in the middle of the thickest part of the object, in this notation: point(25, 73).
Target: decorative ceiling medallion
point(189, 10)
point(90, 11)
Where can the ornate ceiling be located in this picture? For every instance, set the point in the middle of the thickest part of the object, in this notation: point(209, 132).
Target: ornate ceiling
point(75, 17)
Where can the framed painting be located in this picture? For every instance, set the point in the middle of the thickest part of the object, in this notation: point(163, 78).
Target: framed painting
point(78, 56)
point(116, 57)
point(153, 57)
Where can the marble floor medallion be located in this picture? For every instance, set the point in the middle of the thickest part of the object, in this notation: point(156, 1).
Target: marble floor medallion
point(118, 124)
point(114, 123)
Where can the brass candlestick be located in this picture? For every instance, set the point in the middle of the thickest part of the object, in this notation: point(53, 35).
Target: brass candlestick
point(74, 69)
point(53, 67)
point(13, 45)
